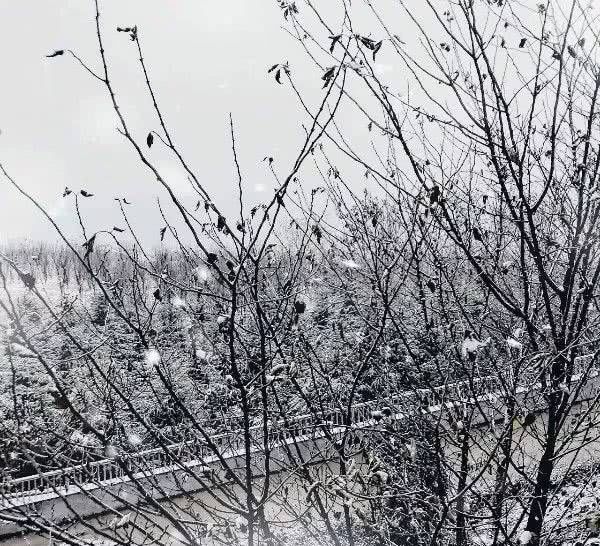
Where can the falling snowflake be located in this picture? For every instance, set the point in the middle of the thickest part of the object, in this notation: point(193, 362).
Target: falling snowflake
point(134, 439)
point(526, 537)
point(222, 320)
point(202, 274)
point(111, 451)
point(471, 345)
point(152, 357)
point(350, 264)
point(82, 440)
point(513, 343)
point(382, 69)
point(178, 302)
point(201, 354)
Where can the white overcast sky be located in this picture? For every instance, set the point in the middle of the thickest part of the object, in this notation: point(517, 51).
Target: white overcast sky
point(206, 59)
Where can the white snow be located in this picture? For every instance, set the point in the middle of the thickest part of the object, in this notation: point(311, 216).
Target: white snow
point(152, 357)
point(471, 345)
point(178, 302)
point(202, 273)
point(134, 439)
point(350, 264)
point(526, 537)
point(513, 343)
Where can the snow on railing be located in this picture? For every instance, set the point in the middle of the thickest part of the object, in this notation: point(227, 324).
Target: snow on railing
point(229, 444)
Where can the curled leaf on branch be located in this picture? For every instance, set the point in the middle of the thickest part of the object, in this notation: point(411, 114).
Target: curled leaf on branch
point(334, 40)
point(367, 42)
point(370, 44)
point(289, 8)
point(279, 69)
point(377, 48)
point(132, 31)
point(328, 76)
point(89, 246)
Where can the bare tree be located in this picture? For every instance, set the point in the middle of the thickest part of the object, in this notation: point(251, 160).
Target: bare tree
point(411, 364)
point(489, 133)
point(131, 362)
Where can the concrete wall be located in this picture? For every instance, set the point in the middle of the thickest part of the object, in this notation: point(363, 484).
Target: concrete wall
point(91, 501)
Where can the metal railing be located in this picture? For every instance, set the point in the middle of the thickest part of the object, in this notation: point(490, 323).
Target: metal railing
point(230, 444)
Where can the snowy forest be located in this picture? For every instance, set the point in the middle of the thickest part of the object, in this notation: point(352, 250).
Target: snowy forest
point(397, 346)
